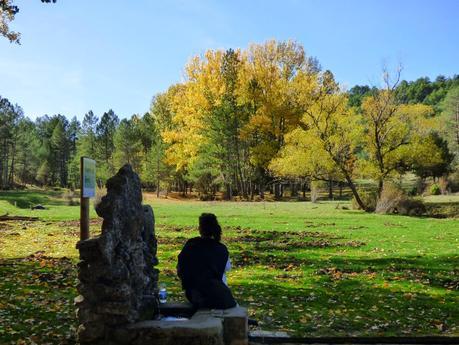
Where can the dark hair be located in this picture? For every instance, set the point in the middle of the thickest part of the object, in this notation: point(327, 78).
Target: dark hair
point(209, 227)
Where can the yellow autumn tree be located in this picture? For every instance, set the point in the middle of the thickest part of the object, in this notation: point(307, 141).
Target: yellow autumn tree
point(205, 136)
point(327, 138)
point(236, 107)
point(395, 135)
point(269, 74)
point(191, 104)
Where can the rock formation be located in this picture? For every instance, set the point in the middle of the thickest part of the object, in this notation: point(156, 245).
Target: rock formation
point(116, 271)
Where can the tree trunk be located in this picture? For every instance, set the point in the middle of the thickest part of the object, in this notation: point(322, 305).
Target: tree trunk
point(5, 171)
point(262, 191)
point(158, 181)
point(381, 186)
point(355, 193)
point(1, 168)
point(242, 190)
point(11, 177)
point(457, 123)
point(330, 189)
point(24, 167)
point(293, 190)
point(277, 191)
point(229, 192)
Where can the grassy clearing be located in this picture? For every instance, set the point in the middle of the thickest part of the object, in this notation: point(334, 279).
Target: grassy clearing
point(20, 202)
point(441, 199)
point(311, 269)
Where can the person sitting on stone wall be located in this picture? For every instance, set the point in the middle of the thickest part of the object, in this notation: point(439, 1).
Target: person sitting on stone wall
point(202, 264)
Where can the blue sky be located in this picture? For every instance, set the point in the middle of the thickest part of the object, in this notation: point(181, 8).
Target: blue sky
point(86, 54)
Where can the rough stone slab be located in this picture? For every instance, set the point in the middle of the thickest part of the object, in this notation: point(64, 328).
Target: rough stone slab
point(235, 325)
point(261, 333)
point(200, 322)
point(224, 313)
point(199, 330)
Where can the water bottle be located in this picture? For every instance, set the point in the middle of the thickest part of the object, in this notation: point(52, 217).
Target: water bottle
point(162, 293)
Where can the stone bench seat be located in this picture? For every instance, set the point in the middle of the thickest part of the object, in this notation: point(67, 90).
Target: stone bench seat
point(205, 327)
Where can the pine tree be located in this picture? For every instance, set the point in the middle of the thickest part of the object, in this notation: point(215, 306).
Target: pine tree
point(105, 131)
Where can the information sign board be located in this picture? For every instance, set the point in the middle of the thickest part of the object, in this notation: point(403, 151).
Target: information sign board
point(89, 178)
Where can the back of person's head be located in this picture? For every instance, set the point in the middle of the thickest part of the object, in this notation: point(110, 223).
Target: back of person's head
point(209, 227)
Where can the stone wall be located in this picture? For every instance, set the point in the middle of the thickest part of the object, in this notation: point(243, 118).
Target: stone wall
point(116, 271)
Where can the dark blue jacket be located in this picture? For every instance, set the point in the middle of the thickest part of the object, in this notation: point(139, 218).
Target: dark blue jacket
point(201, 265)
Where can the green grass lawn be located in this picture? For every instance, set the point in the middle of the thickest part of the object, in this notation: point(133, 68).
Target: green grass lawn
point(309, 269)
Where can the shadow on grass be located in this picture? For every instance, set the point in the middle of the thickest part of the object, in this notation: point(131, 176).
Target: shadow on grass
point(36, 295)
point(348, 307)
point(442, 272)
point(27, 199)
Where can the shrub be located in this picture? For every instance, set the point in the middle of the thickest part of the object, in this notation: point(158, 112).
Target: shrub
point(390, 197)
point(418, 187)
point(453, 181)
point(411, 207)
point(435, 189)
point(207, 197)
point(443, 210)
point(368, 198)
point(315, 191)
point(443, 184)
point(413, 191)
point(206, 186)
point(394, 200)
point(70, 197)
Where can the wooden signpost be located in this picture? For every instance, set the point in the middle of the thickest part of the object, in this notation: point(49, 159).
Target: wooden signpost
point(88, 190)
